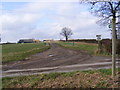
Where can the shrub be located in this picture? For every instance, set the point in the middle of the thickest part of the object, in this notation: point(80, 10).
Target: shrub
point(107, 46)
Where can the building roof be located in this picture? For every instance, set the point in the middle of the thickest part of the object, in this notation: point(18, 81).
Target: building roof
point(25, 41)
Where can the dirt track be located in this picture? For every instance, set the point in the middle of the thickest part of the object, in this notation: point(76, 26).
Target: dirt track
point(56, 59)
point(56, 56)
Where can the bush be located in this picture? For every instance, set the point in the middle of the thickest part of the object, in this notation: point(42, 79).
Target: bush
point(118, 47)
point(107, 46)
point(82, 40)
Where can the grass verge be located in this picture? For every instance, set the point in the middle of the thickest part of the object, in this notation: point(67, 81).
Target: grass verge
point(14, 52)
point(89, 48)
point(78, 79)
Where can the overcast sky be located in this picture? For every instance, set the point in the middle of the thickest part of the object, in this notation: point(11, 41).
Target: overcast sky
point(44, 20)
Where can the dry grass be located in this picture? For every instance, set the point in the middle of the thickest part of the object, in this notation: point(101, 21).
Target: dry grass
point(90, 48)
point(79, 81)
point(63, 80)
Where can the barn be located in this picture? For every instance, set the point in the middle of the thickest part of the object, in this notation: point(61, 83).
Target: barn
point(26, 41)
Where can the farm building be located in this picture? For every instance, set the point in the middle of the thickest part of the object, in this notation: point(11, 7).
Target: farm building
point(25, 41)
point(47, 40)
point(36, 41)
point(28, 41)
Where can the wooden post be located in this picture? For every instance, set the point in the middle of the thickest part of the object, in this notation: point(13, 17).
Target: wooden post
point(99, 43)
point(113, 47)
point(73, 43)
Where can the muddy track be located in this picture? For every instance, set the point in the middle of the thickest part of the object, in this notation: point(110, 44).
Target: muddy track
point(56, 59)
point(55, 56)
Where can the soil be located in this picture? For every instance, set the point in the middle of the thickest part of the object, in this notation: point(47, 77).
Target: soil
point(55, 56)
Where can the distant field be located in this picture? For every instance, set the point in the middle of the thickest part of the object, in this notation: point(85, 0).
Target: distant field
point(88, 47)
point(77, 79)
point(14, 52)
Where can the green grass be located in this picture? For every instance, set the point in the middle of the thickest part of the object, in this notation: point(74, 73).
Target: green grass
point(94, 79)
point(103, 71)
point(14, 52)
point(89, 48)
point(32, 79)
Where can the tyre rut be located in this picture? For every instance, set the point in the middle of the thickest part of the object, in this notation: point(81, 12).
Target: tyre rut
point(55, 56)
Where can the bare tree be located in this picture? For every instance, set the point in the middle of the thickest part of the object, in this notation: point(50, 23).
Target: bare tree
point(109, 12)
point(118, 34)
point(66, 32)
point(118, 28)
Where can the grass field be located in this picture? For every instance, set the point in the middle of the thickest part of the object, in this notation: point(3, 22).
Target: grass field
point(14, 52)
point(89, 48)
point(78, 79)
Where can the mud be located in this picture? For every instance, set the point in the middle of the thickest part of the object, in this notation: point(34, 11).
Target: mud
point(56, 56)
